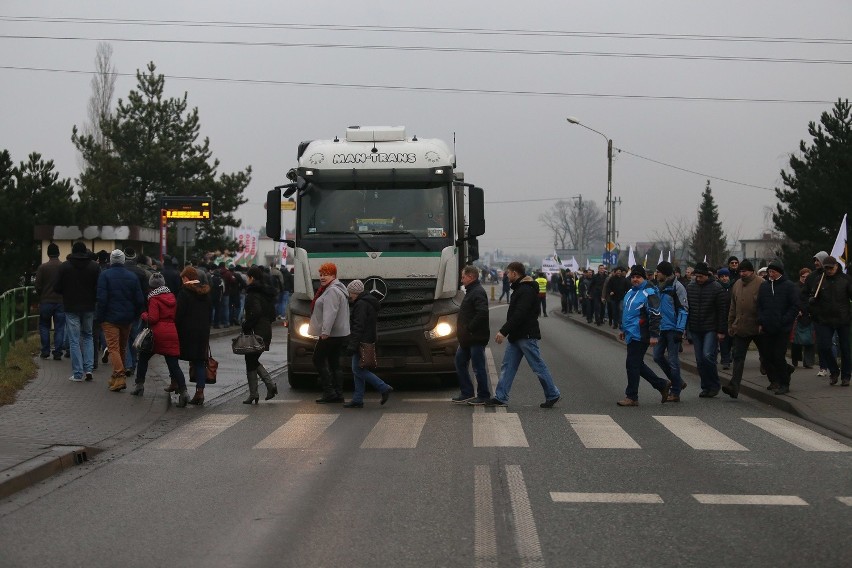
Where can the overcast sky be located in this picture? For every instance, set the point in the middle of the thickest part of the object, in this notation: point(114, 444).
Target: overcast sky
point(710, 114)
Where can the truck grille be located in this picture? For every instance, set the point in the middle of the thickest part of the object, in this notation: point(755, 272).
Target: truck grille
point(407, 304)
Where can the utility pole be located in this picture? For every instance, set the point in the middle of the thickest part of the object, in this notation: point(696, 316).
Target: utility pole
point(581, 228)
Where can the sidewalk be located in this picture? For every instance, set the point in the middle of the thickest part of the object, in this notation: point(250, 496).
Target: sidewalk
point(55, 423)
point(810, 397)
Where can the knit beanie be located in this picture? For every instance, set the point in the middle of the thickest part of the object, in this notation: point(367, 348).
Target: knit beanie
point(746, 265)
point(723, 272)
point(776, 265)
point(638, 270)
point(52, 250)
point(78, 248)
point(156, 280)
point(701, 268)
point(129, 253)
point(116, 257)
point(355, 287)
point(665, 268)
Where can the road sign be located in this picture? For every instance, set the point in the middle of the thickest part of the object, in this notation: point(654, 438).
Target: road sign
point(288, 206)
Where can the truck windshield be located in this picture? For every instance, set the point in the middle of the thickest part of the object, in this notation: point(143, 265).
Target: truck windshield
point(422, 212)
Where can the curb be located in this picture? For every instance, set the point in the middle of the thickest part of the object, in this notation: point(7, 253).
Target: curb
point(39, 468)
point(796, 408)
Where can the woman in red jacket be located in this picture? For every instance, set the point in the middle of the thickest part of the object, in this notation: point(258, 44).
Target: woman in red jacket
point(161, 318)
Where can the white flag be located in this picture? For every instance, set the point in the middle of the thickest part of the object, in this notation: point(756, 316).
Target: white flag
point(840, 249)
point(705, 259)
point(631, 260)
point(574, 266)
point(661, 257)
point(670, 256)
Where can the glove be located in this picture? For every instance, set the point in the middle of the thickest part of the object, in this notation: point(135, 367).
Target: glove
point(812, 301)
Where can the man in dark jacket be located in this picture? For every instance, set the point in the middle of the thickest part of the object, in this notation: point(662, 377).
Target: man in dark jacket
point(707, 325)
point(171, 274)
point(726, 280)
point(777, 308)
point(50, 304)
point(521, 329)
point(829, 306)
point(78, 284)
point(615, 288)
point(119, 303)
point(596, 291)
point(473, 334)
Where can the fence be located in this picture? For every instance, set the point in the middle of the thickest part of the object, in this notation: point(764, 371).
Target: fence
point(14, 317)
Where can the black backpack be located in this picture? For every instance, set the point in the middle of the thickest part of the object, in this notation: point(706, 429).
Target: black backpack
point(217, 286)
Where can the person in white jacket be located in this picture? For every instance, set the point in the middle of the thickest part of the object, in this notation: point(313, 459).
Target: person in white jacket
point(330, 324)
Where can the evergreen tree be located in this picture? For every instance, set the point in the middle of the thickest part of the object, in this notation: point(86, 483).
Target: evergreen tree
point(32, 194)
point(708, 238)
point(819, 187)
point(150, 150)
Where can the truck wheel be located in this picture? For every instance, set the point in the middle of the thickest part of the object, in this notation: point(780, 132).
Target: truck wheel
point(301, 382)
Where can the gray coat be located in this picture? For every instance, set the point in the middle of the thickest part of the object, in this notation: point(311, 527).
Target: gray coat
point(331, 312)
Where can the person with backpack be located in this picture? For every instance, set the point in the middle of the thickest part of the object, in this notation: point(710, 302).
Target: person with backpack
point(217, 292)
point(674, 310)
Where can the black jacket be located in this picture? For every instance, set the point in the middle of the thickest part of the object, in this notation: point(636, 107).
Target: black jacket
point(706, 307)
point(777, 305)
point(831, 305)
point(473, 325)
point(260, 311)
point(362, 321)
point(193, 321)
point(77, 281)
point(172, 278)
point(524, 306)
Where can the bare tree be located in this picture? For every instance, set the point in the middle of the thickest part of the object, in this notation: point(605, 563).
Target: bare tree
point(576, 223)
point(675, 237)
point(103, 89)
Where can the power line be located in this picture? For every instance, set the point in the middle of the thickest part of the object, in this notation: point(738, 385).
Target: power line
point(450, 90)
point(434, 30)
point(420, 48)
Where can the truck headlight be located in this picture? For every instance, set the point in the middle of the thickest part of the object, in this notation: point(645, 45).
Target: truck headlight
point(445, 327)
point(302, 325)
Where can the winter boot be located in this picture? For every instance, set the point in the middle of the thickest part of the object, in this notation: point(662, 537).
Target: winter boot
point(252, 383)
point(172, 387)
point(182, 398)
point(271, 386)
point(198, 397)
point(119, 384)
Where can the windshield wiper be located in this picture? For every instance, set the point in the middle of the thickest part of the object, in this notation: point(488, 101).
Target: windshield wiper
point(401, 232)
point(360, 238)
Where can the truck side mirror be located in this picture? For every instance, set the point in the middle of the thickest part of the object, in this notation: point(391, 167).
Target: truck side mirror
point(273, 214)
point(472, 250)
point(476, 212)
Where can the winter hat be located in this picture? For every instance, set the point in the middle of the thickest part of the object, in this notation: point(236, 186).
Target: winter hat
point(638, 270)
point(723, 272)
point(78, 248)
point(701, 268)
point(355, 287)
point(776, 265)
point(103, 256)
point(820, 256)
point(665, 268)
point(116, 257)
point(156, 280)
point(746, 265)
point(731, 258)
point(761, 271)
point(129, 253)
point(52, 250)
point(829, 261)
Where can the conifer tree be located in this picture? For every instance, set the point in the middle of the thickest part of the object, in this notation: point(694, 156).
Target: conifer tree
point(708, 239)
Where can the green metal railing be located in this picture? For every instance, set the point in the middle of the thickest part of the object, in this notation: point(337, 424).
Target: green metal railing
point(14, 317)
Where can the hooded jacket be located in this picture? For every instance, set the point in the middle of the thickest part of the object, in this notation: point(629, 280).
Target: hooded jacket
point(742, 315)
point(777, 305)
point(522, 316)
point(77, 282)
point(331, 312)
point(831, 306)
point(362, 321)
point(674, 306)
point(473, 325)
point(260, 311)
point(162, 306)
point(640, 317)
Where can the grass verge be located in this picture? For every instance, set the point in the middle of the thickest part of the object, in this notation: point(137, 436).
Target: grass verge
point(18, 371)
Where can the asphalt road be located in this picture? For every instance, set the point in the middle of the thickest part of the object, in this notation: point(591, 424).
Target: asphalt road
point(422, 482)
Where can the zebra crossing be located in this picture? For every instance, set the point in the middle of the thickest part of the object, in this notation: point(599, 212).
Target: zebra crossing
point(403, 430)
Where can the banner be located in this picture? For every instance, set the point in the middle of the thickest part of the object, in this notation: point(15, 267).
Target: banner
point(248, 241)
point(840, 250)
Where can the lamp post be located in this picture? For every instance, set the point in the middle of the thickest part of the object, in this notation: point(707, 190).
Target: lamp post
point(609, 216)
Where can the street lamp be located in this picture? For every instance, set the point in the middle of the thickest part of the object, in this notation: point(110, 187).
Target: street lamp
point(609, 219)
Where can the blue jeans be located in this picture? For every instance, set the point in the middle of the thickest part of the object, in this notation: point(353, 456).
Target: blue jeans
point(475, 354)
point(56, 313)
point(171, 362)
point(224, 311)
point(198, 369)
point(363, 376)
point(827, 357)
point(77, 326)
point(666, 356)
point(524, 348)
point(636, 368)
point(706, 344)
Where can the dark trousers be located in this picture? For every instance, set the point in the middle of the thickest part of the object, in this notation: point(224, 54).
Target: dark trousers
point(825, 334)
point(598, 307)
point(804, 353)
point(543, 300)
point(775, 361)
point(725, 348)
point(739, 351)
point(636, 368)
point(614, 313)
point(327, 362)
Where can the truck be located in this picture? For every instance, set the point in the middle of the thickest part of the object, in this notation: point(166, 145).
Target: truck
point(394, 212)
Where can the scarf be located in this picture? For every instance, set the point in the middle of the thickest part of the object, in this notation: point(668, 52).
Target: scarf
point(318, 294)
point(158, 291)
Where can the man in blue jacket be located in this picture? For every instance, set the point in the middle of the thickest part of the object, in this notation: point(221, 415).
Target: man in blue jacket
point(640, 327)
point(522, 331)
point(120, 303)
point(674, 309)
point(473, 334)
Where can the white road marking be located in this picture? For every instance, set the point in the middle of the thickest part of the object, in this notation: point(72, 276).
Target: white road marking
point(799, 436)
point(192, 435)
point(498, 430)
point(600, 431)
point(396, 430)
point(526, 535)
point(559, 497)
point(484, 533)
point(698, 434)
point(444, 400)
point(280, 401)
point(492, 370)
point(707, 499)
point(845, 500)
point(301, 431)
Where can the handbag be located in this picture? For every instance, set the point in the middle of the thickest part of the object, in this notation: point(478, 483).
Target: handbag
point(144, 342)
point(211, 366)
point(367, 353)
point(247, 344)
